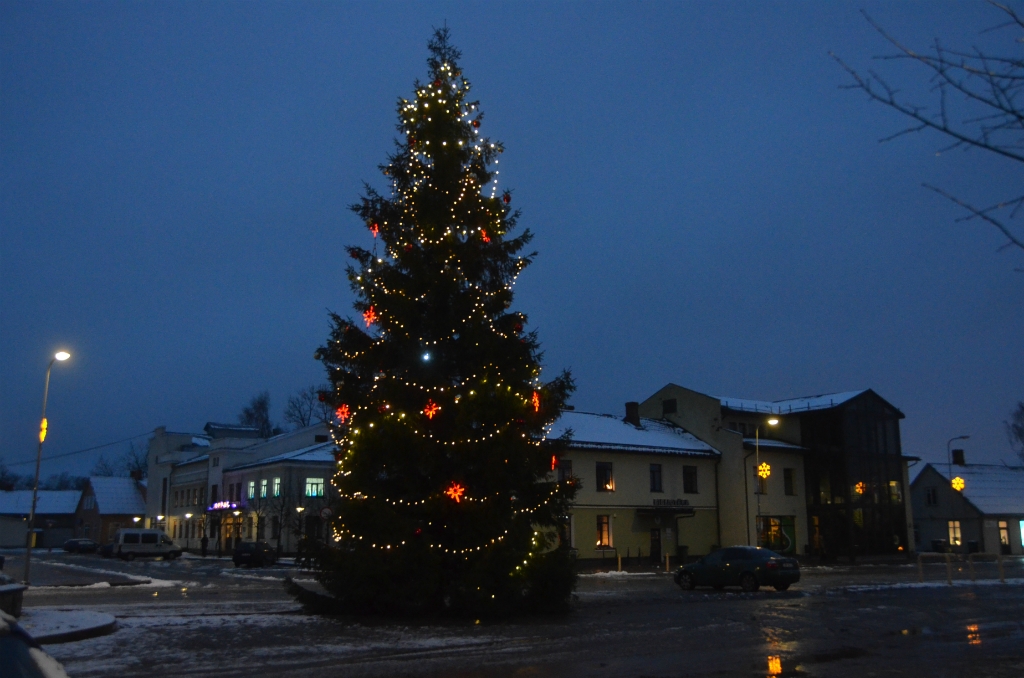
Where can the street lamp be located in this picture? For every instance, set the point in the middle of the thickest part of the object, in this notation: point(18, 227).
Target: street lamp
point(60, 356)
point(188, 517)
point(763, 470)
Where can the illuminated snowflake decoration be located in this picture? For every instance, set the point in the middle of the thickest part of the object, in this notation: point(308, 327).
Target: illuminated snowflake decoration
point(764, 470)
point(860, 487)
point(958, 484)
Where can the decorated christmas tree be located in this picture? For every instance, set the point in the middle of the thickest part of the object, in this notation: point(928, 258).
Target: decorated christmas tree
point(447, 501)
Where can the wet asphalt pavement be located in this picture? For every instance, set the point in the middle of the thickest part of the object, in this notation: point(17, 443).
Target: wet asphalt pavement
point(195, 617)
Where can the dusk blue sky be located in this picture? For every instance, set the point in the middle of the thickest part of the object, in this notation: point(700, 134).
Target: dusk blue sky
point(710, 208)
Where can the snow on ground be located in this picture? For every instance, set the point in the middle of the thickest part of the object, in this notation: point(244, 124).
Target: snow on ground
point(41, 623)
point(148, 581)
point(929, 585)
point(201, 640)
point(613, 573)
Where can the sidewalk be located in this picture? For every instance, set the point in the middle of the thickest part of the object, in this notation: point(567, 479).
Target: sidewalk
point(47, 625)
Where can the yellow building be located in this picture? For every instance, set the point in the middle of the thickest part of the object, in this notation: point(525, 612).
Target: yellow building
point(646, 488)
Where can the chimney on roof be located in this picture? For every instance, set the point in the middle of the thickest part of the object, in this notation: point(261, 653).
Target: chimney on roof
point(958, 458)
point(633, 413)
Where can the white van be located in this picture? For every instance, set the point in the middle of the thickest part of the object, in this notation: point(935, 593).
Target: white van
point(131, 543)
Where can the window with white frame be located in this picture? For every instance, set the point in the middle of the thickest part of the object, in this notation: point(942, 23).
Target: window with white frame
point(314, 487)
point(251, 493)
point(954, 533)
point(277, 487)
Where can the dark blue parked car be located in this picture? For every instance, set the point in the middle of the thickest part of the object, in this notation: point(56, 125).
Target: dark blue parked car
point(748, 567)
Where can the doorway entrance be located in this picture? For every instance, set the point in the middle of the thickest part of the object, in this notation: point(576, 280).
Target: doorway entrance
point(655, 544)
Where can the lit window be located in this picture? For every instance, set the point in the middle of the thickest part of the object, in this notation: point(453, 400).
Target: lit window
point(954, 532)
point(251, 493)
point(277, 487)
point(895, 492)
point(604, 532)
point(605, 479)
point(263, 489)
point(314, 487)
point(1004, 533)
point(1022, 531)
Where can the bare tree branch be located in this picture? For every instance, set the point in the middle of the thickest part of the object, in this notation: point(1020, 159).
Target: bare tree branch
point(994, 84)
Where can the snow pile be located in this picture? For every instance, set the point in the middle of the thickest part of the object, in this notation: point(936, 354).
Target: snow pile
point(619, 574)
point(930, 585)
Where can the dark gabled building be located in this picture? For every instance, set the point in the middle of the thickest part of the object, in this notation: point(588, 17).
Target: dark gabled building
point(966, 508)
point(855, 473)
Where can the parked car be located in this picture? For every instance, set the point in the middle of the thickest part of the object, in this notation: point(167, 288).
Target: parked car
point(80, 546)
point(254, 553)
point(748, 567)
point(20, 654)
point(133, 543)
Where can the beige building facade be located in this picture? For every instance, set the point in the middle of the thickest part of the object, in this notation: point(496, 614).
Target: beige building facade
point(645, 489)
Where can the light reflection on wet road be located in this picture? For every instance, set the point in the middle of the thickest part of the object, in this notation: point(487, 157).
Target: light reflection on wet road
point(624, 626)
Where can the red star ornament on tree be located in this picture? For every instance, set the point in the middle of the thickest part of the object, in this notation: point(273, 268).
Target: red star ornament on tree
point(455, 491)
point(370, 316)
point(343, 413)
point(536, 402)
point(431, 409)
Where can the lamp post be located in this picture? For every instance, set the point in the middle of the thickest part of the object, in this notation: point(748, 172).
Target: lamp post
point(60, 356)
point(762, 473)
point(188, 520)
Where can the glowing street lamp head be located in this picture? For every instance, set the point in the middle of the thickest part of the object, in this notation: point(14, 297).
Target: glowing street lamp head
point(188, 516)
point(62, 356)
point(773, 422)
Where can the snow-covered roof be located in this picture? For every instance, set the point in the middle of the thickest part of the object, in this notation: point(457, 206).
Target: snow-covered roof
point(200, 441)
point(48, 502)
point(216, 430)
point(606, 431)
point(817, 402)
point(992, 488)
point(117, 496)
point(193, 460)
point(314, 454)
point(773, 444)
